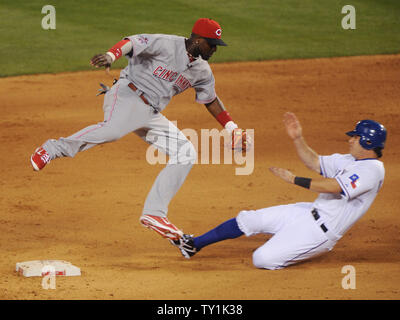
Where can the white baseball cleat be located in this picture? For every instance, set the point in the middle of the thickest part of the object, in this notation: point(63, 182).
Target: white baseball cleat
point(162, 226)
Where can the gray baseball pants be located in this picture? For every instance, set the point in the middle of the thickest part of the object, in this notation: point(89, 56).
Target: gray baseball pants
point(125, 112)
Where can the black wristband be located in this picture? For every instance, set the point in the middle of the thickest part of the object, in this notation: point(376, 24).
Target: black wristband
point(302, 182)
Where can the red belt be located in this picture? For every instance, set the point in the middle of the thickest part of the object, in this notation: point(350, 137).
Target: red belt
point(132, 86)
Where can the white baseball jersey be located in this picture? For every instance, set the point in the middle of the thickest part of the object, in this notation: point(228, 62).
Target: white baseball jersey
point(360, 181)
point(298, 235)
point(159, 66)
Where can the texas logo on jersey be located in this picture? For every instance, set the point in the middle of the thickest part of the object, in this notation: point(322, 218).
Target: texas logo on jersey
point(354, 181)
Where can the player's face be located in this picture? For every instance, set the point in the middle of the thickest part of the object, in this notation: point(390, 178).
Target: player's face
point(206, 50)
point(356, 150)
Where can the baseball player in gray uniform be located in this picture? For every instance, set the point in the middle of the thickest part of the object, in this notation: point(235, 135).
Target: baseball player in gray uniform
point(160, 66)
point(304, 230)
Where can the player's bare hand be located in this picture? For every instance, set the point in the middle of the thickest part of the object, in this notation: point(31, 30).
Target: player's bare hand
point(101, 60)
point(292, 125)
point(283, 174)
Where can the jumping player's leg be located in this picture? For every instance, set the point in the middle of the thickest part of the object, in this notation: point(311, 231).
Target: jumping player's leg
point(124, 112)
point(166, 137)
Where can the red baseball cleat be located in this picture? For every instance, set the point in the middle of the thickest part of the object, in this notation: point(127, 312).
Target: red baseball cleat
point(162, 226)
point(39, 159)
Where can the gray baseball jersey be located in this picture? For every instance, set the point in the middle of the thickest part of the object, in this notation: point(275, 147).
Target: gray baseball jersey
point(160, 67)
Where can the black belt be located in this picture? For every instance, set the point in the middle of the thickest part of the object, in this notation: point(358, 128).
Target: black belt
point(316, 216)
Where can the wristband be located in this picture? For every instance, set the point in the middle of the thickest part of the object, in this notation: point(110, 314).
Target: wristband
point(302, 182)
point(223, 118)
point(111, 55)
point(119, 49)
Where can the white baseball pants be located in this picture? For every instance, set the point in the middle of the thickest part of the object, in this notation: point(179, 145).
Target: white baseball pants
point(297, 236)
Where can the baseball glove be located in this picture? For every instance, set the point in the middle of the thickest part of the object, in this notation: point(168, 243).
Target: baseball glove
point(240, 140)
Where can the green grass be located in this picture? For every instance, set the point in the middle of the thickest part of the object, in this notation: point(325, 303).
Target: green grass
point(253, 29)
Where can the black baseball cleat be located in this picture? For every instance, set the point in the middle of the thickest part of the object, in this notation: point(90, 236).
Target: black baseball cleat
point(176, 242)
point(187, 247)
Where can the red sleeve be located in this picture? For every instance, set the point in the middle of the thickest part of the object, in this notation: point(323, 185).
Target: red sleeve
point(116, 50)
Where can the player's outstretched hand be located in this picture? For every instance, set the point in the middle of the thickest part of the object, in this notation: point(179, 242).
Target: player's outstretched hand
point(292, 125)
point(283, 174)
point(101, 60)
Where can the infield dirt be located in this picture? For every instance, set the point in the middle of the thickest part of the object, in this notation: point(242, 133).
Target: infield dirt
point(86, 210)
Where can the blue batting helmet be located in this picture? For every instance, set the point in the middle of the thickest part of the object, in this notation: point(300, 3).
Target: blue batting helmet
point(372, 134)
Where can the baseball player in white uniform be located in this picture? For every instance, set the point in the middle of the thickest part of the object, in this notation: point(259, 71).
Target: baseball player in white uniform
point(160, 66)
point(347, 188)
